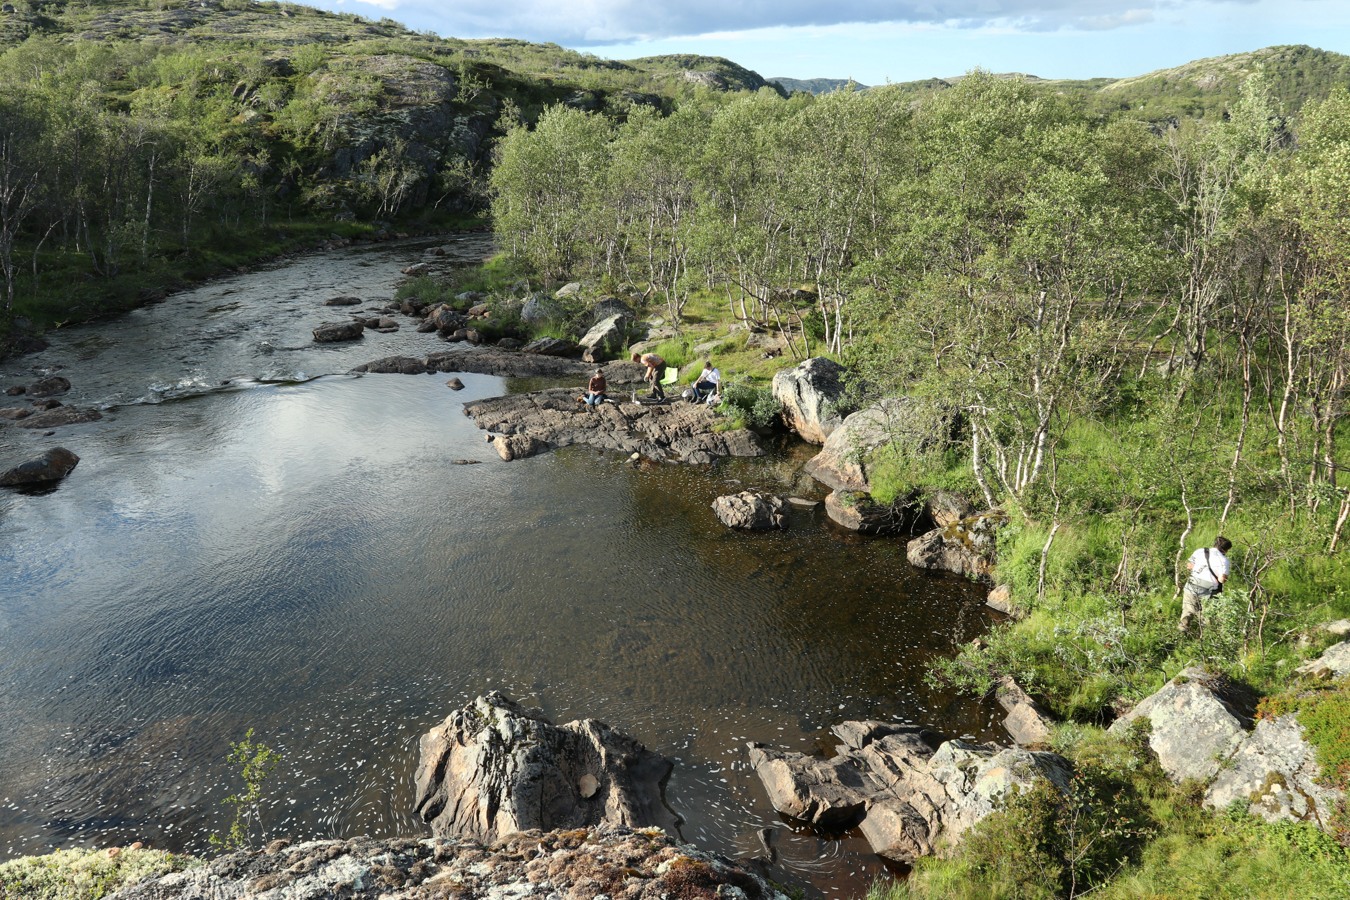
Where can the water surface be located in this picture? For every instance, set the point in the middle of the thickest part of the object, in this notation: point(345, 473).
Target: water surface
point(254, 539)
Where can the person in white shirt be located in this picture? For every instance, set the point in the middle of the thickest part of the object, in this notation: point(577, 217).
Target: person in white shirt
point(1209, 570)
point(707, 382)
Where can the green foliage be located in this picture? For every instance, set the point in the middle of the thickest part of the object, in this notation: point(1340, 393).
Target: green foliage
point(749, 405)
point(84, 874)
point(256, 762)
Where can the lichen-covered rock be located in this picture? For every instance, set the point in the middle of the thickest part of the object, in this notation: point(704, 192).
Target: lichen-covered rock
point(916, 795)
point(1195, 724)
point(751, 511)
point(492, 768)
point(812, 396)
point(333, 332)
point(1275, 770)
point(683, 431)
point(51, 466)
point(577, 864)
point(1332, 664)
point(540, 308)
point(965, 547)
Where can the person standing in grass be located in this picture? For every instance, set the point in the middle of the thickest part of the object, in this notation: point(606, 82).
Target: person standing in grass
point(656, 367)
point(1209, 570)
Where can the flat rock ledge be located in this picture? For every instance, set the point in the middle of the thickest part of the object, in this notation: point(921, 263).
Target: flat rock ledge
point(484, 361)
point(581, 864)
point(493, 768)
point(908, 791)
point(553, 418)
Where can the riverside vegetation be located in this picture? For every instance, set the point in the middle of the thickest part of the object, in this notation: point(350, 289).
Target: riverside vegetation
point(1124, 313)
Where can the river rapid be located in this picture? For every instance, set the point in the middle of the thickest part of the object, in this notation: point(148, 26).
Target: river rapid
point(255, 539)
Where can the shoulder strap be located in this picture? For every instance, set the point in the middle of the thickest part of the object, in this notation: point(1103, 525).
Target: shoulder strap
point(1211, 568)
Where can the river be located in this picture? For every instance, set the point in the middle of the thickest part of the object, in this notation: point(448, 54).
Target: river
point(255, 539)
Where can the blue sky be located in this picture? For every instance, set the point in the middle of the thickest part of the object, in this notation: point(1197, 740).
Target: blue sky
point(874, 41)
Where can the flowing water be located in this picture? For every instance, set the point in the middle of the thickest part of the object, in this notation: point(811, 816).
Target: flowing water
point(255, 540)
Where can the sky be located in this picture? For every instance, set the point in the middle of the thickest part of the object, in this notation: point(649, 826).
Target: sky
point(875, 41)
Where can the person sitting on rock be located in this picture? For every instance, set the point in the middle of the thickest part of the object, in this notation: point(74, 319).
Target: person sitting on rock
point(709, 382)
point(656, 367)
point(595, 390)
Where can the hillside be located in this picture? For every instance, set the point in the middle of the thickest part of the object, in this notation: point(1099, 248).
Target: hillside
point(1201, 88)
point(814, 85)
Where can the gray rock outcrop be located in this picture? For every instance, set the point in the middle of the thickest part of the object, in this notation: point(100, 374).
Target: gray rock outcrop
point(811, 395)
point(605, 339)
point(751, 511)
point(843, 461)
point(1332, 664)
point(51, 466)
point(618, 863)
point(910, 793)
point(1275, 770)
point(539, 309)
point(1195, 725)
point(485, 361)
point(685, 432)
point(492, 768)
point(333, 332)
point(1026, 721)
point(965, 547)
point(552, 347)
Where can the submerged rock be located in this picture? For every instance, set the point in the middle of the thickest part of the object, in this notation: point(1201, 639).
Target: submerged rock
point(58, 415)
point(492, 768)
point(53, 465)
point(52, 386)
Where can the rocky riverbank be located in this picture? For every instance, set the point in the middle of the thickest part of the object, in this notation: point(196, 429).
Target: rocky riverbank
point(579, 864)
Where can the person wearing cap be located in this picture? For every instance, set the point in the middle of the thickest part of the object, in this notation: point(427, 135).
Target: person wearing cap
point(595, 390)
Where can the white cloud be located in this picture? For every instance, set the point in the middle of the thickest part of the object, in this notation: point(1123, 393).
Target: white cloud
point(599, 22)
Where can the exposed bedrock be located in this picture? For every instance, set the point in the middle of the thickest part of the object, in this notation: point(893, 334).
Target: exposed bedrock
point(493, 768)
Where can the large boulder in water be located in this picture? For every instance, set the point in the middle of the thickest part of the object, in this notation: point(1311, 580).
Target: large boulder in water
point(811, 395)
point(333, 332)
point(492, 769)
point(751, 511)
point(53, 465)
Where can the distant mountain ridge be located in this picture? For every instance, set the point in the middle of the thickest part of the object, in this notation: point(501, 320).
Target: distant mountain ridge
point(814, 85)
